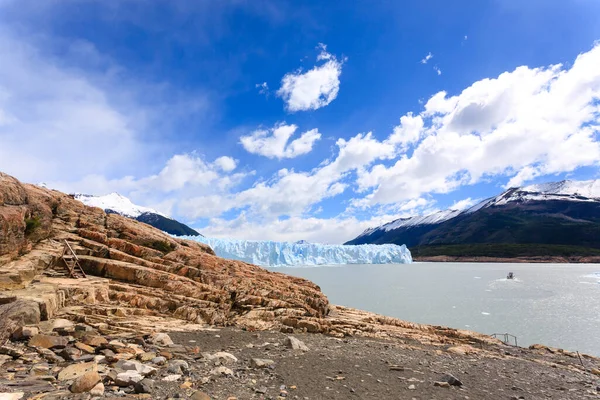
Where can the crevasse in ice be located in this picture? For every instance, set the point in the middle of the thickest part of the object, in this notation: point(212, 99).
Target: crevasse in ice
point(269, 253)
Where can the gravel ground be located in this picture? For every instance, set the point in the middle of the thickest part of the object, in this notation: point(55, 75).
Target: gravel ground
point(363, 368)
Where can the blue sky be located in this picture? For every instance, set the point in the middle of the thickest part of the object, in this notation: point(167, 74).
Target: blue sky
point(298, 120)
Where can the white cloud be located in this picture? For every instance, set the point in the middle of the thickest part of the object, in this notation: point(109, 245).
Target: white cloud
point(273, 143)
point(427, 58)
point(323, 55)
point(437, 70)
point(312, 89)
point(409, 131)
point(263, 88)
point(464, 204)
point(226, 164)
point(53, 118)
point(315, 230)
point(523, 124)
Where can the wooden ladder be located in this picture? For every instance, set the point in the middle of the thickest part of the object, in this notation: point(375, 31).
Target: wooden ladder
point(72, 262)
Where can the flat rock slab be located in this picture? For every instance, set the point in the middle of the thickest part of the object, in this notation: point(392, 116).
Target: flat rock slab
point(74, 371)
point(48, 342)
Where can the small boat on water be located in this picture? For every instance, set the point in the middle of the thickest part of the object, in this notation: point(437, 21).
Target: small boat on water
point(510, 276)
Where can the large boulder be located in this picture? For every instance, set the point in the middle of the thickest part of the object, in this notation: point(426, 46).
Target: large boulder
point(15, 315)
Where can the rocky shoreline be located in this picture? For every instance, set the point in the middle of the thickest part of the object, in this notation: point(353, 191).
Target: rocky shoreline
point(63, 359)
point(159, 317)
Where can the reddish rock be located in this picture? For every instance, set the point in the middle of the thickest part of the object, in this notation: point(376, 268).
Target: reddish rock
point(85, 382)
point(48, 342)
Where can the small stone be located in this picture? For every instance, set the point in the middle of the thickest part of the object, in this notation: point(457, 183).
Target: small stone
point(48, 342)
point(70, 353)
point(74, 371)
point(199, 396)
point(86, 382)
point(441, 384)
point(100, 359)
point(296, 344)
point(39, 370)
point(178, 367)
point(171, 378)
point(161, 339)
point(115, 344)
point(131, 365)
point(596, 371)
point(83, 328)
point(261, 363)
point(85, 348)
point(61, 323)
point(396, 368)
point(50, 356)
point(4, 358)
point(128, 378)
point(159, 360)
point(144, 386)
point(94, 340)
point(451, 380)
point(25, 332)
point(222, 371)
point(166, 355)
point(412, 387)
point(261, 390)
point(47, 378)
point(221, 356)
point(98, 390)
point(185, 385)
point(11, 351)
point(144, 357)
point(12, 396)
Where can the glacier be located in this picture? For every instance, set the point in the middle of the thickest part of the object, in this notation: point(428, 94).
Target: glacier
point(281, 254)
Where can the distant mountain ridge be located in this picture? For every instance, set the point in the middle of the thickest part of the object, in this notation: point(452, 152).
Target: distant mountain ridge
point(556, 213)
point(119, 204)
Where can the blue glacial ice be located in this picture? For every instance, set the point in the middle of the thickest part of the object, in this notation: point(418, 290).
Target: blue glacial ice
point(280, 254)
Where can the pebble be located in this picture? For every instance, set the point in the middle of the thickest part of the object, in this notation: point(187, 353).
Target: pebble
point(178, 367)
point(261, 390)
point(221, 371)
point(296, 344)
point(412, 387)
point(161, 339)
point(261, 363)
point(171, 378)
point(159, 360)
point(98, 390)
point(144, 386)
point(85, 382)
point(128, 378)
point(451, 380)
point(199, 396)
point(441, 384)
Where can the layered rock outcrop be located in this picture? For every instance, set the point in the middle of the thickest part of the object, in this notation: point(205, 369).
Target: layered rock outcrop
point(140, 278)
point(133, 266)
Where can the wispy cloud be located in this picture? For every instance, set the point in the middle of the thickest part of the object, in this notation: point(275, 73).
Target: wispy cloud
point(427, 58)
point(263, 88)
point(437, 70)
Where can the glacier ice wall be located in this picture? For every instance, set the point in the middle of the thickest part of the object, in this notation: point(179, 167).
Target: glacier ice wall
point(277, 254)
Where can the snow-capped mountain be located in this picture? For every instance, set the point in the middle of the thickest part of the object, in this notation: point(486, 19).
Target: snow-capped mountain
point(118, 204)
point(510, 217)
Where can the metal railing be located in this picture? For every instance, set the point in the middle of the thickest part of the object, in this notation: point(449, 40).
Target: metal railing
point(506, 338)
